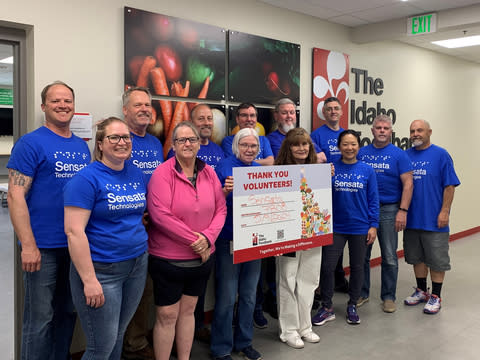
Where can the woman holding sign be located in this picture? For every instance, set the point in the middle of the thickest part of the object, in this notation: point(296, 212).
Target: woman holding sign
point(355, 220)
point(297, 272)
point(234, 279)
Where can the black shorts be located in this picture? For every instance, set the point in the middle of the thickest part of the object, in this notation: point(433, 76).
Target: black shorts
point(171, 281)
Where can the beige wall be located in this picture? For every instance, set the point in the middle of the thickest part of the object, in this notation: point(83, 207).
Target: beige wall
point(81, 42)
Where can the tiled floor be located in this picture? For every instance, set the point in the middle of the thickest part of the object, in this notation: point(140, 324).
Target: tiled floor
point(405, 334)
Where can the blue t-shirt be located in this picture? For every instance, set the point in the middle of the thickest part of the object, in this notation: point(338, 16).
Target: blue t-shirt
point(223, 170)
point(147, 153)
point(276, 139)
point(326, 139)
point(432, 171)
point(117, 200)
point(210, 154)
point(265, 149)
point(355, 198)
point(388, 163)
point(51, 160)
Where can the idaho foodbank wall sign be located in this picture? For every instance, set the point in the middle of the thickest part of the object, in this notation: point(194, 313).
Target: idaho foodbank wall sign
point(422, 24)
point(6, 96)
point(363, 113)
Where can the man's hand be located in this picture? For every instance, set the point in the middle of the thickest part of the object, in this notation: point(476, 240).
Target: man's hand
point(400, 220)
point(443, 218)
point(31, 259)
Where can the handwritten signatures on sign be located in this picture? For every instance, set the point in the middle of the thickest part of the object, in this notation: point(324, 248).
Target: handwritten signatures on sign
point(270, 209)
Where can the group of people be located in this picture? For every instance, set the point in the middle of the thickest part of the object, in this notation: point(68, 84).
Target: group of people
point(139, 230)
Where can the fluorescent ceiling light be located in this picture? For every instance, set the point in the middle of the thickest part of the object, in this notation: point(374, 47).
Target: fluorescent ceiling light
point(459, 42)
point(7, 60)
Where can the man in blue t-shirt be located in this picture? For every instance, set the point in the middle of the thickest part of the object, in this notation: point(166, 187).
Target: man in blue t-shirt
point(326, 137)
point(285, 116)
point(147, 154)
point(41, 163)
point(395, 185)
point(426, 237)
point(211, 153)
point(247, 118)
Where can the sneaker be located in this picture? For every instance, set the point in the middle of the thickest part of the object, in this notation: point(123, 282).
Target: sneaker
point(417, 297)
point(311, 337)
point(224, 357)
point(352, 316)
point(145, 353)
point(259, 320)
point(389, 306)
point(324, 315)
point(361, 301)
point(249, 353)
point(294, 341)
point(433, 305)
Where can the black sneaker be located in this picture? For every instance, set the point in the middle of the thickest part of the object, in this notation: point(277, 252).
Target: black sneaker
point(249, 353)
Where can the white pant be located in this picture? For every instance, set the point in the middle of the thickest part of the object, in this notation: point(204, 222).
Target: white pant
point(297, 279)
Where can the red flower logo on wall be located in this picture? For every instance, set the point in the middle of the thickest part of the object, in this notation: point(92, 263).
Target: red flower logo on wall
point(330, 78)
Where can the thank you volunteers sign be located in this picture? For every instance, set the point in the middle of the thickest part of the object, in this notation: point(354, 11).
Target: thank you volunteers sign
point(280, 209)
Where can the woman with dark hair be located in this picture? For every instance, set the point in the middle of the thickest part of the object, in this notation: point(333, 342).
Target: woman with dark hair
point(104, 206)
point(187, 210)
point(355, 220)
point(298, 272)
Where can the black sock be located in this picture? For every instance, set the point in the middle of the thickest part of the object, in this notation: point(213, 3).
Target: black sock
point(436, 288)
point(422, 283)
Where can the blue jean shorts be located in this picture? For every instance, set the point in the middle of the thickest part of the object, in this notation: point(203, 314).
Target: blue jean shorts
point(428, 247)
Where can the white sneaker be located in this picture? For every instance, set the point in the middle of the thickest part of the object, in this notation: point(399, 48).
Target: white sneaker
point(311, 337)
point(433, 305)
point(294, 341)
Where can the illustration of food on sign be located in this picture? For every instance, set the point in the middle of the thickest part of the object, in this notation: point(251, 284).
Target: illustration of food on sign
point(314, 221)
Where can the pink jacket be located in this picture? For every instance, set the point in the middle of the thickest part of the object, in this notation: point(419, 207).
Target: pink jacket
point(177, 209)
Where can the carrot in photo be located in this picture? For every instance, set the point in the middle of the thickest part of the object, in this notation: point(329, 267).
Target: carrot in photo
point(202, 94)
point(177, 118)
point(157, 75)
point(148, 64)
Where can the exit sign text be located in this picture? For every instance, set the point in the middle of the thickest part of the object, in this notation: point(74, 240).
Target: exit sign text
point(422, 24)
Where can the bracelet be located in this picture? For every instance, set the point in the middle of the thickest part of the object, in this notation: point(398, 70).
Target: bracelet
point(402, 209)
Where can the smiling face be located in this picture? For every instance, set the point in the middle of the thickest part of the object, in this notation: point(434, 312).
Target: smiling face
point(382, 134)
point(286, 117)
point(138, 112)
point(247, 118)
point(300, 151)
point(248, 149)
point(348, 147)
point(188, 150)
point(420, 134)
point(332, 112)
point(114, 154)
point(59, 106)
point(202, 118)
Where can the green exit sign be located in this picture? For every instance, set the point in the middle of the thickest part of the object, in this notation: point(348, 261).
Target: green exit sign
point(422, 24)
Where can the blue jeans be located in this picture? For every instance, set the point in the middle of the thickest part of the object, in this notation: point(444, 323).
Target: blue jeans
point(230, 280)
point(123, 283)
point(48, 316)
point(388, 240)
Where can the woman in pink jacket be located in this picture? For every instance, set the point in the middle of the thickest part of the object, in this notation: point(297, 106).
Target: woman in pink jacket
point(187, 210)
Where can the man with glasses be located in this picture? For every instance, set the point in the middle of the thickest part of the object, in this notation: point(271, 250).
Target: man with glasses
point(147, 154)
point(41, 163)
point(247, 118)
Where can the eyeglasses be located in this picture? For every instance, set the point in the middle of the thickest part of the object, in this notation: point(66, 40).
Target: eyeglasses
point(248, 146)
point(245, 115)
point(115, 139)
point(183, 140)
